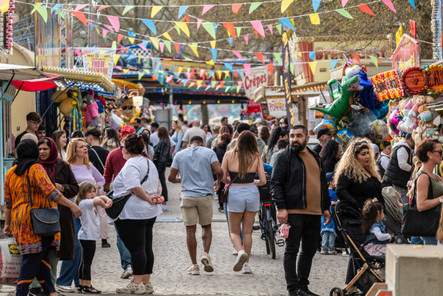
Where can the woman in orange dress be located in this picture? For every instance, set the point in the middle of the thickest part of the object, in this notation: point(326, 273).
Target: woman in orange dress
point(33, 248)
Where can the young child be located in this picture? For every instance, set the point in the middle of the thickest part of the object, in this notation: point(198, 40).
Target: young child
point(327, 232)
point(373, 226)
point(89, 232)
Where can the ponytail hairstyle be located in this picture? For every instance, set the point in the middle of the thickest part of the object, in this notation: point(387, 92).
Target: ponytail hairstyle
point(370, 212)
point(85, 187)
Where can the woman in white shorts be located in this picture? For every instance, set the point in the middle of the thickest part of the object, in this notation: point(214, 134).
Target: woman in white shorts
point(242, 164)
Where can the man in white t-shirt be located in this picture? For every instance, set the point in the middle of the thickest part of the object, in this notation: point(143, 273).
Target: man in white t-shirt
point(195, 130)
point(195, 166)
point(154, 135)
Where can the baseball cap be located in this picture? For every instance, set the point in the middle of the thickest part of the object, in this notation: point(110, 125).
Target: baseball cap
point(323, 131)
point(258, 120)
point(329, 177)
point(375, 148)
point(126, 130)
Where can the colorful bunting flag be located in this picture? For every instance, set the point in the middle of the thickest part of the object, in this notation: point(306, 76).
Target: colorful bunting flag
point(140, 75)
point(110, 28)
point(230, 40)
point(344, 13)
point(80, 7)
point(78, 14)
point(333, 64)
point(279, 28)
point(168, 45)
point(238, 30)
point(177, 47)
point(343, 3)
point(155, 10)
point(228, 66)
point(315, 19)
point(103, 7)
point(237, 54)
point(187, 19)
point(162, 47)
point(213, 43)
point(177, 28)
point(202, 73)
point(115, 22)
point(167, 36)
point(374, 59)
point(292, 68)
point(390, 5)
point(105, 32)
point(277, 56)
point(398, 35)
point(365, 8)
point(220, 73)
point(127, 9)
point(236, 7)
point(356, 57)
point(54, 8)
point(313, 65)
point(131, 40)
point(182, 10)
point(412, 3)
point(270, 68)
point(114, 45)
point(193, 47)
point(312, 55)
point(259, 27)
point(184, 27)
point(199, 22)
point(254, 6)
point(154, 42)
point(271, 30)
point(316, 4)
point(246, 36)
point(143, 45)
point(247, 68)
point(116, 58)
point(119, 38)
point(214, 54)
point(206, 8)
point(286, 23)
point(230, 28)
point(209, 27)
point(260, 57)
point(150, 24)
point(285, 4)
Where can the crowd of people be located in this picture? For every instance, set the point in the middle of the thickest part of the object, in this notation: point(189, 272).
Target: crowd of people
point(74, 173)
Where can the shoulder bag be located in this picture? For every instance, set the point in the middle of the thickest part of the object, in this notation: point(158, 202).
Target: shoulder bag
point(225, 192)
point(415, 223)
point(45, 222)
point(118, 203)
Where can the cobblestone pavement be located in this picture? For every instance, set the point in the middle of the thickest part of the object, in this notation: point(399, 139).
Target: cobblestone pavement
point(172, 260)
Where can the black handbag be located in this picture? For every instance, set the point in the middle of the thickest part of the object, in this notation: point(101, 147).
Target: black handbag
point(118, 203)
point(225, 192)
point(415, 223)
point(45, 222)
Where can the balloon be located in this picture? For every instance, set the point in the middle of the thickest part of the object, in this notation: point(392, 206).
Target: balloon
point(65, 107)
point(325, 123)
point(378, 131)
point(394, 120)
point(343, 136)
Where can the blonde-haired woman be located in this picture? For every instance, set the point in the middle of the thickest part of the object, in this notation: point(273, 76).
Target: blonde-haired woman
point(243, 163)
point(177, 136)
point(357, 180)
point(224, 129)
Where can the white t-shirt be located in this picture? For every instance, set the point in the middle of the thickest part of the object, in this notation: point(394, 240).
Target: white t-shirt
point(130, 177)
point(90, 221)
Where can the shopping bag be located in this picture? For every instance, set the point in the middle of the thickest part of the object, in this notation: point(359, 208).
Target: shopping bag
point(10, 261)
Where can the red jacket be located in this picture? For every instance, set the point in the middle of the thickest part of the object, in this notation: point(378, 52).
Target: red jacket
point(114, 164)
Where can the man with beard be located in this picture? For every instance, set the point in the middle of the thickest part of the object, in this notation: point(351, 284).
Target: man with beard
point(299, 188)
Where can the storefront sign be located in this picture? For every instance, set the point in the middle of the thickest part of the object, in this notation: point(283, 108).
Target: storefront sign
point(407, 54)
point(99, 60)
point(257, 78)
point(387, 85)
point(417, 80)
point(287, 79)
point(277, 107)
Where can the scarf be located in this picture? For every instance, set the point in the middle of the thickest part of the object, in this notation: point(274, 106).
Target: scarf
point(27, 154)
point(49, 163)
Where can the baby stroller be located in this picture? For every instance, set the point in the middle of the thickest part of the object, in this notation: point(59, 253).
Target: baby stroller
point(367, 269)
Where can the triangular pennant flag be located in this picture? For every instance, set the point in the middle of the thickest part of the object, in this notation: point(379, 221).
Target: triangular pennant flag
point(211, 73)
point(155, 10)
point(185, 81)
point(293, 68)
point(206, 8)
point(298, 53)
point(114, 45)
point(390, 5)
point(215, 27)
point(177, 28)
point(61, 13)
point(140, 75)
point(238, 89)
point(169, 78)
point(150, 24)
point(130, 34)
point(142, 46)
point(54, 8)
point(115, 22)
point(279, 28)
point(154, 77)
point(177, 47)
point(116, 58)
point(213, 83)
point(188, 75)
point(260, 57)
point(127, 9)
point(227, 88)
point(228, 66)
point(333, 64)
point(343, 3)
point(187, 19)
point(80, 7)
point(356, 57)
point(312, 55)
point(222, 83)
point(285, 4)
point(256, 33)
point(119, 38)
point(365, 8)
point(125, 71)
point(202, 73)
point(209, 27)
point(344, 13)
point(154, 42)
point(246, 38)
point(193, 47)
point(162, 47)
point(199, 83)
point(182, 10)
point(213, 43)
point(167, 36)
point(286, 23)
point(131, 39)
point(270, 69)
point(214, 54)
point(254, 6)
point(207, 87)
point(316, 4)
point(199, 22)
point(374, 59)
point(277, 56)
point(231, 41)
point(236, 7)
point(237, 54)
point(227, 74)
point(167, 44)
point(398, 35)
point(412, 3)
point(220, 73)
point(103, 7)
point(271, 30)
point(180, 69)
point(247, 68)
point(315, 19)
point(230, 28)
point(78, 14)
point(110, 28)
point(42, 11)
point(259, 27)
point(238, 30)
point(184, 27)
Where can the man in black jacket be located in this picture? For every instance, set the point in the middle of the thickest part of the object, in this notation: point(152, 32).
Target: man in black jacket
point(299, 188)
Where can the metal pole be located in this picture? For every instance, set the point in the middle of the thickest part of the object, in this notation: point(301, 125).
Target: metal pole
point(2, 175)
point(171, 103)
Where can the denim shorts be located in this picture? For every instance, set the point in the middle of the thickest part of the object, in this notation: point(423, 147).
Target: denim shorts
point(243, 198)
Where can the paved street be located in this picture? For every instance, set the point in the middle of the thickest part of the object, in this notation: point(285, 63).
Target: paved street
point(172, 260)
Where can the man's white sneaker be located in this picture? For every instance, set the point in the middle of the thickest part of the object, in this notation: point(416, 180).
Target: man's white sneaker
point(206, 260)
point(127, 273)
point(246, 268)
point(194, 270)
point(149, 288)
point(240, 260)
point(132, 288)
point(65, 289)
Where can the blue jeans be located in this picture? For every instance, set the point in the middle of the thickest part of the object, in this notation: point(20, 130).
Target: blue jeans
point(416, 240)
point(69, 268)
point(429, 240)
point(125, 256)
point(327, 241)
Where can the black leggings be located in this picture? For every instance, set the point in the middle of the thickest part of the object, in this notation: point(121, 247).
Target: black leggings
point(88, 251)
point(137, 237)
point(161, 168)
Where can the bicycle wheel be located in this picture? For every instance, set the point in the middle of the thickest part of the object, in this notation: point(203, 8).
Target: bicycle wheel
point(270, 243)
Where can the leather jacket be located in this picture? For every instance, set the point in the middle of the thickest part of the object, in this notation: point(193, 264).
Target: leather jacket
point(161, 153)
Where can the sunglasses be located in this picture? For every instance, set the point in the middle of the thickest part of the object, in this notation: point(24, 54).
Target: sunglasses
point(357, 146)
point(438, 151)
point(127, 107)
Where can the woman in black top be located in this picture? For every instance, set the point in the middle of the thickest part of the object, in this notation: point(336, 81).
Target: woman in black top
point(330, 155)
point(357, 180)
point(161, 158)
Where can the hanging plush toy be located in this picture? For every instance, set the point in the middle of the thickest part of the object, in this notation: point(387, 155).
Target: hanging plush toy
point(91, 110)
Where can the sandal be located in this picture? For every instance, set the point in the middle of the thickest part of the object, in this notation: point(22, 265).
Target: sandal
point(90, 290)
point(80, 288)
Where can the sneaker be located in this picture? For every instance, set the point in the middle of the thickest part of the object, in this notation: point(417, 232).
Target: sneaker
point(105, 244)
point(127, 272)
point(206, 260)
point(324, 252)
point(305, 292)
point(65, 289)
point(235, 253)
point(241, 259)
point(332, 252)
point(164, 207)
point(194, 270)
point(221, 210)
point(36, 292)
point(345, 253)
point(149, 288)
point(132, 288)
point(246, 268)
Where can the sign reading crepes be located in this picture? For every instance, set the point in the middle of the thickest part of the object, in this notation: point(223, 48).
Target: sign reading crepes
point(277, 107)
point(257, 77)
point(387, 85)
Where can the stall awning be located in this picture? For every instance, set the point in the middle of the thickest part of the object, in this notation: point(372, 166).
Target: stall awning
point(18, 72)
point(41, 84)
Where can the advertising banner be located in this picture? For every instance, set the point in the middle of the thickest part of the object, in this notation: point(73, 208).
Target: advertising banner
point(257, 78)
point(100, 60)
point(407, 54)
point(277, 107)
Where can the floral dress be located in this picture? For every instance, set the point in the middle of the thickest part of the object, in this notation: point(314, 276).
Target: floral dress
point(44, 195)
